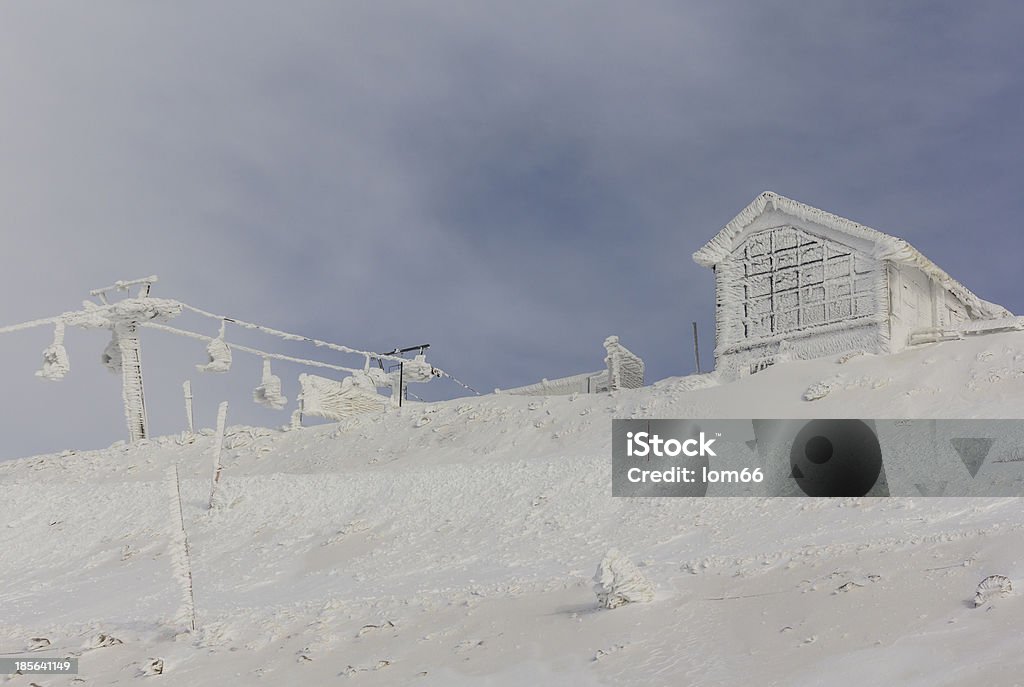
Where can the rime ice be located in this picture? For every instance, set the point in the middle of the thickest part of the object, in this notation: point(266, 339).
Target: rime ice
point(795, 282)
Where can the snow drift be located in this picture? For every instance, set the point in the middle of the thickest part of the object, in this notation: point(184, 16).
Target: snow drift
point(454, 544)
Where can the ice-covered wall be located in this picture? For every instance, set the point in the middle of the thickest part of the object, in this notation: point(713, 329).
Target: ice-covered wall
point(910, 303)
point(826, 341)
point(920, 306)
point(787, 293)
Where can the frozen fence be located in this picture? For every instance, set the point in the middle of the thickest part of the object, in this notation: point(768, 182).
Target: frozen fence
point(625, 370)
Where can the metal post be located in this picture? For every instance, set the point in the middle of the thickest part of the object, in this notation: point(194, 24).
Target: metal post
point(696, 348)
point(131, 380)
point(401, 389)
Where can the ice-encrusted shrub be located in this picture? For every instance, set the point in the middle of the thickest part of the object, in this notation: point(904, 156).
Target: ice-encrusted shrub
point(991, 587)
point(618, 582)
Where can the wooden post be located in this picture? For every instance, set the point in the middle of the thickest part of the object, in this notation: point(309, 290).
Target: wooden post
point(218, 446)
point(180, 554)
point(696, 348)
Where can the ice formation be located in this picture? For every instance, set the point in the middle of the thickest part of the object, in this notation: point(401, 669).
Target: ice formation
point(180, 560)
point(123, 355)
point(415, 370)
point(333, 400)
point(624, 370)
point(111, 357)
point(131, 380)
point(792, 281)
point(55, 357)
point(218, 449)
point(618, 582)
point(220, 355)
point(991, 587)
point(268, 393)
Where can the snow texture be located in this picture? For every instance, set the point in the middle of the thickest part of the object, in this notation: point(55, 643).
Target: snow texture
point(55, 357)
point(818, 390)
point(155, 666)
point(993, 586)
point(474, 527)
point(618, 582)
point(268, 393)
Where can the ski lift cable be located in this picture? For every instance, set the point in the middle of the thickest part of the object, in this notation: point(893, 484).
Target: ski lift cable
point(324, 344)
point(457, 381)
point(30, 325)
point(247, 349)
point(291, 337)
point(247, 325)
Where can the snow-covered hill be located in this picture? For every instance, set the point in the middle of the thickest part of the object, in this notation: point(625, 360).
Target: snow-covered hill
point(455, 543)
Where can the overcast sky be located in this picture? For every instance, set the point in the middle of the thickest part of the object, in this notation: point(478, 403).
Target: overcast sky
point(510, 182)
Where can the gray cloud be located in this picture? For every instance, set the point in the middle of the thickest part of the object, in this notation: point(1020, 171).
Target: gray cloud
point(510, 182)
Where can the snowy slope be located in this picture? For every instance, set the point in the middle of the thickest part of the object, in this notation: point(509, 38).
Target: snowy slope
point(454, 543)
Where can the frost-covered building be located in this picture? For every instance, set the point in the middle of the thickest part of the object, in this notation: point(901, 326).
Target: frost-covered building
point(793, 281)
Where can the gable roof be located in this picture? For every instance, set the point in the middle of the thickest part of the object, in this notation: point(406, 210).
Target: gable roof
point(884, 247)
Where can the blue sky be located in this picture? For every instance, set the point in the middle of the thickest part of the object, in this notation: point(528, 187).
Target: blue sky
point(510, 182)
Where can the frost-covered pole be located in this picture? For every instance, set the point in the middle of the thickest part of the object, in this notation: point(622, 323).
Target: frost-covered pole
point(187, 386)
point(131, 379)
point(696, 348)
point(179, 550)
point(218, 446)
